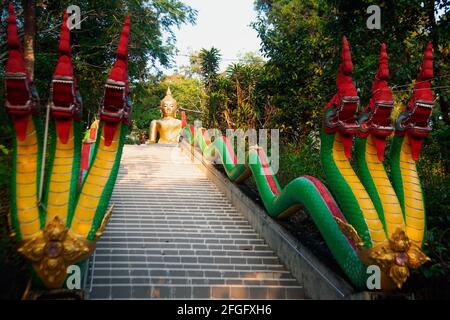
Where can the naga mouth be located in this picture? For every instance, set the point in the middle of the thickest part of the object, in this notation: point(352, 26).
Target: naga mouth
point(341, 118)
point(415, 122)
point(115, 108)
point(64, 105)
point(377, 122)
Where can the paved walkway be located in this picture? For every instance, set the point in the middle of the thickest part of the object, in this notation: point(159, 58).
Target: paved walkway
point(173, 235)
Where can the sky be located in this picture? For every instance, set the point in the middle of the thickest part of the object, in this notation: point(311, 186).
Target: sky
point(224, 24)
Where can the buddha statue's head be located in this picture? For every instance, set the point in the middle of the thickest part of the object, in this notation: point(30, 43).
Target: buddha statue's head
point(168, 105)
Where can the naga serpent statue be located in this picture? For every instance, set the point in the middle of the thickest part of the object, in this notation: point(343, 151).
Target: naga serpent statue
point(62, 229)
point(367, 221)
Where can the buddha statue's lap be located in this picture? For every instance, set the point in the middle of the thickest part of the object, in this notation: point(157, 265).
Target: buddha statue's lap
point(168, 128)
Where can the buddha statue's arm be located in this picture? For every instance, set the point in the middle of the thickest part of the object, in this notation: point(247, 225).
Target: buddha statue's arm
point(153, 132)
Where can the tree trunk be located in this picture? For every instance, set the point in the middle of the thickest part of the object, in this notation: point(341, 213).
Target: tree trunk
point(30, 35)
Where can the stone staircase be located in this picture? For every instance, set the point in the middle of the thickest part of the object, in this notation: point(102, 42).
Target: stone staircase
point(173, 235)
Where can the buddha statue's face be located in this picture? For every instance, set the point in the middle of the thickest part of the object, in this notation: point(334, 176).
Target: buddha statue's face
point(168, 108)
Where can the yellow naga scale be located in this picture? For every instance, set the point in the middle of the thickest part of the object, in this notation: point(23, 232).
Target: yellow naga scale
point(61, 228)
point(26, 177)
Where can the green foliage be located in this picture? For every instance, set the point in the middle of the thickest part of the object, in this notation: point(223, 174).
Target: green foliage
point(210, 60)
point(299, 160)
point(434, 167)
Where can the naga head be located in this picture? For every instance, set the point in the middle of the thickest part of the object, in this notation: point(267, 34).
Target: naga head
point(414, 121)
point(339, 114)
point(65, 99)
point(375, 120)
point(22, 99)
point(116, 105)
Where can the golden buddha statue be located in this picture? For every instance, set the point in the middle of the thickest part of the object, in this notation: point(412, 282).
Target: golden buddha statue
point(168, 128)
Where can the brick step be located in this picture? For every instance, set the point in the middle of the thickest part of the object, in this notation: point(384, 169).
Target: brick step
point(132, 258)
point(197, 266)
point(155, 240)
point(195, 205)
point(143, 280)
point(126, 199)
point(193, 252)
point(145, 196)
point(138, 186)
point(195, 292)
point(186, 184)
point(171, 221)
point(181, 227)
point(183, 246)
point(192, 273)
point(186, 211)
point(164, 234)
point(229, 222)
point(178, 231)
point(208, 233)
point(179, 217)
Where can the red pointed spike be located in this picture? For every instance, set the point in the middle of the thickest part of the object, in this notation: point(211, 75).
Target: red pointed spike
point(380, 89)
point(422, 87)
point(122, 48)
point(64, 67)
point(344, 79)
point(119, 71)
point(64, 40)
point(15, 63)
point(13, 37)
point(427, 64)
point(383, 64)
point(346, 58)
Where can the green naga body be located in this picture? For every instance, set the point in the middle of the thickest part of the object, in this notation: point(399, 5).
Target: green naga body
point(372, 222)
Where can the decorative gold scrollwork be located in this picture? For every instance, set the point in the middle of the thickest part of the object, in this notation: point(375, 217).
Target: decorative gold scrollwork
point(53, 250)
point(395, 257)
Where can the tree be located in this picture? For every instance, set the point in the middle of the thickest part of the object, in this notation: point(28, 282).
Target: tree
point(29, 35)
point(299, 74)
point(210, 60)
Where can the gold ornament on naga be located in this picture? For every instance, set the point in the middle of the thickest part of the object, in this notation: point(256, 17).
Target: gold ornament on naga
point(168, 128)
point(396, 257)
point(56, 248)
